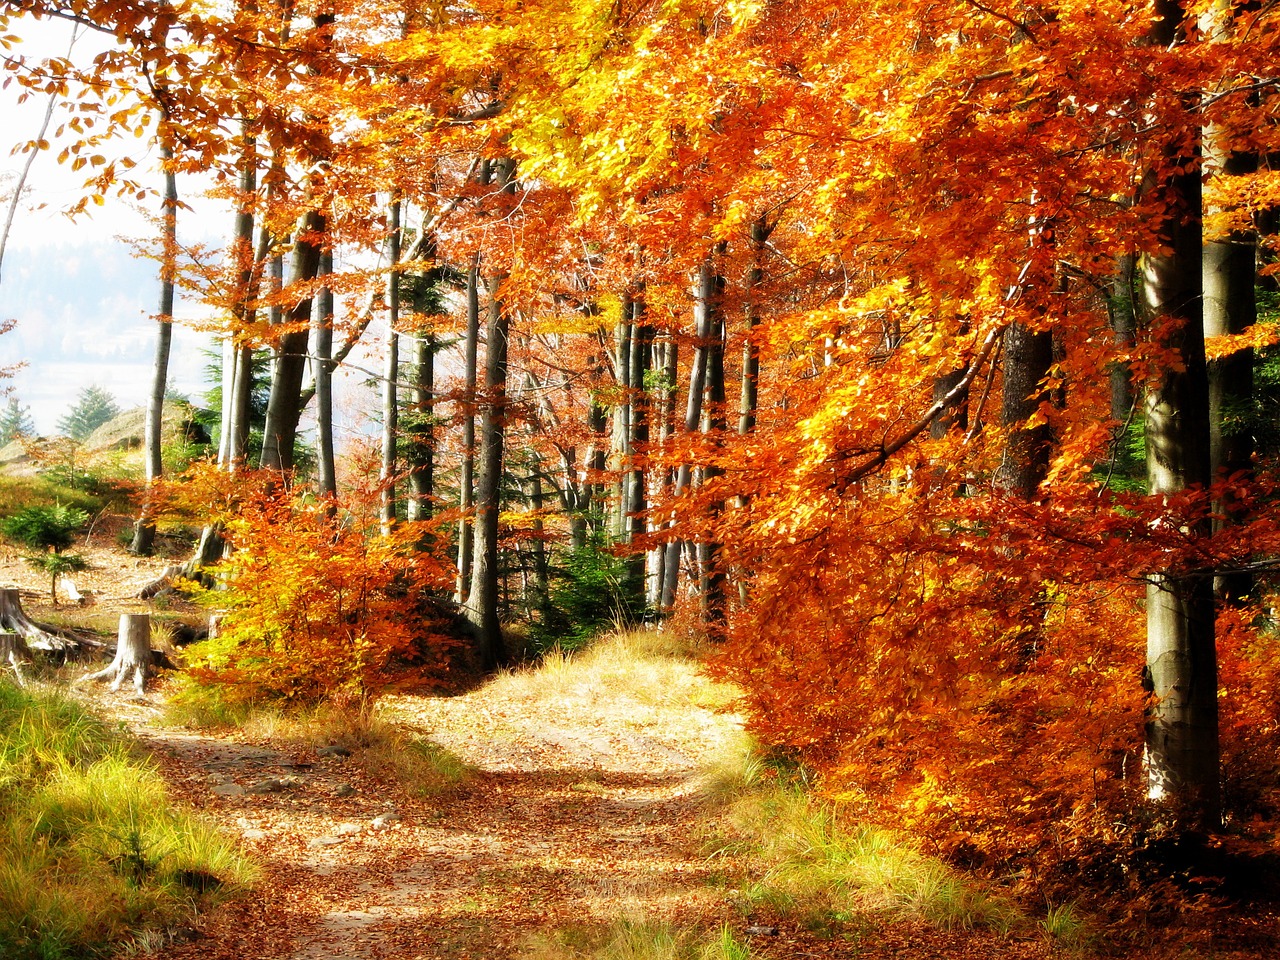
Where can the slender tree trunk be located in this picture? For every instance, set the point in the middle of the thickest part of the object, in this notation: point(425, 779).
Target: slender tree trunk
point(391, 373)
point(705, 307)
point(482, 601)
point(1028, 354)
point(621, 441)
point(326, 467)
point(1123, 314)
point(1230, 307)
point(715, 613)
point(284, 407)
point(665, 570)
point(422, 468)
point(636, 501)
point(597, 462)
point(144, 531)
point(466, 481)
point(1182, 721)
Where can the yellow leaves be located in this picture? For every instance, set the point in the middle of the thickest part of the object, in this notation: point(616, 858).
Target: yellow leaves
point(1258, 336)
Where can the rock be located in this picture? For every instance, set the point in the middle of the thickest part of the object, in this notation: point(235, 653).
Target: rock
point(181, 935)
point(274, 785)
point(324, 841)
point(344, 790)
point(228, 790)
point(348, 829)
point(334, 750)
point(254, 835)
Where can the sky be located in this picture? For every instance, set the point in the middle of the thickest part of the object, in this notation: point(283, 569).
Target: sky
point(83, 304)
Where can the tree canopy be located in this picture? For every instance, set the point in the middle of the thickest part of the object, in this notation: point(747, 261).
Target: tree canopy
point(873, 334)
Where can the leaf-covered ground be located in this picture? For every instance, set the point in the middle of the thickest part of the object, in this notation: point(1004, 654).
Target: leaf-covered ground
point(585, 808)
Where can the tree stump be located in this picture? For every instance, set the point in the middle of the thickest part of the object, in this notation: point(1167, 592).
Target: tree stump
point(13, 619)
point(13, 651)
point(133, 654)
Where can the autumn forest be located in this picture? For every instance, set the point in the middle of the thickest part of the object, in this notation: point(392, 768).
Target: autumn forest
point(921, 357)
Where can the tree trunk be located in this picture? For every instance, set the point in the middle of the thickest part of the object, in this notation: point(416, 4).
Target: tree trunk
point(391, 372)
point(144, 531)
point(422, 454)
point(1229, 274)
point(482, 600)
point(665, 568)
point(1123, 315)
point(13, 619)
point(714, 578)
point(466, 479)
point(620, 444)
point(1182, 721)
point(13, 651)
point(284, 408)
point(636, 501)
point(705, 311)
point(1028, 354)
point(133, 654)
point(326, 468)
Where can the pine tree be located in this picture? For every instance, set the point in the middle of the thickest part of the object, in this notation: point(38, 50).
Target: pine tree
point(94, 407)
point(15, 422)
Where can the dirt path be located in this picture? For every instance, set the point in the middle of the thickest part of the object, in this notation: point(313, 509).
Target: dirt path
point(564, 824)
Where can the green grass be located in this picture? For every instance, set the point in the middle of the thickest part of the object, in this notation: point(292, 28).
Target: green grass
point(92, 855)
point(20, 493)
point(826, 873)
point(630, 939)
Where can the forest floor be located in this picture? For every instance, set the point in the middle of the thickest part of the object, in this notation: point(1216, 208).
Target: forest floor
point(584, 811)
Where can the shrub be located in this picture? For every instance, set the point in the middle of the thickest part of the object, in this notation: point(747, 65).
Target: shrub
point(44, 527)
point(57, 565)
point(318, 606)
point(591, 593)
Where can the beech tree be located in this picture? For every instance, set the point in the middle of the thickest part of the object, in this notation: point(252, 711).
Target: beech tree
point(961, 250)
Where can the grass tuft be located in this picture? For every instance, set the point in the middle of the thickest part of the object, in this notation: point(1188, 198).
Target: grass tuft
point(824, 872)
point(423, 767)
point(630, 939)
point(1065, 926)
point(91, 853)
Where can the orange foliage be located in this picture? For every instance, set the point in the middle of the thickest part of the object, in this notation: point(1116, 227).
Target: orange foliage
point(315, 603)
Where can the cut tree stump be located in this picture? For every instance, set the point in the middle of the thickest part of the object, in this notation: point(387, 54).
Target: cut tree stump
point(13, 619)
point(133, 654)
point(14, 652)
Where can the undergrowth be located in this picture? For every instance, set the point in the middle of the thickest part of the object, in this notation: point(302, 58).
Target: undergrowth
point(817, 868)
point(92, 855)
point(630, 939)
point(422, 767)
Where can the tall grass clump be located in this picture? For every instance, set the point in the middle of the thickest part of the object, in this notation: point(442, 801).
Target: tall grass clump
point(823, 871)
point(632, 939)
point(92, 855)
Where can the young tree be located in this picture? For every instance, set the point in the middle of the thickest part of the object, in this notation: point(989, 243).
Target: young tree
point(94, 407)
point(15, 422)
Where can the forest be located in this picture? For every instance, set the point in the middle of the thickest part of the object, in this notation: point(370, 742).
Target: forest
point(919, 357)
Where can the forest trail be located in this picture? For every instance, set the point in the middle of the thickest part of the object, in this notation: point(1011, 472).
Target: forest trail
point(585, 807)
point(580, 810)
